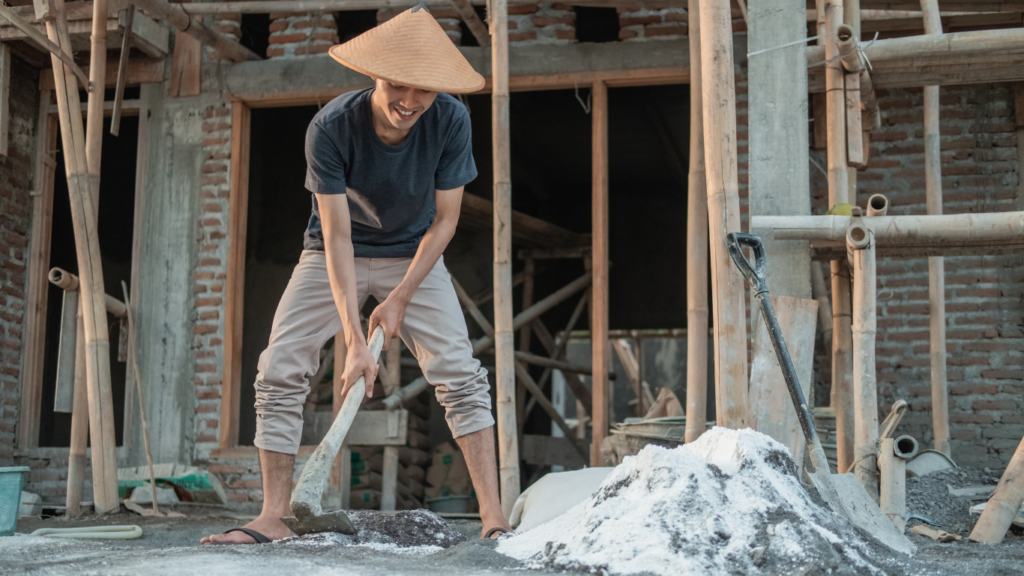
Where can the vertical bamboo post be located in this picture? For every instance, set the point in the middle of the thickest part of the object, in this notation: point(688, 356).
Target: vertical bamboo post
point(1005, 502)
point(697, 248)
point(936, 264)
point(93, 305)
point(79, 427)
point(718, 90)
point(341, 475)
point(893, 484)
point(97, 78)
point(861, 244)
point(599, 299)
point(839, 193)
point(505, 375)
point(389, 480)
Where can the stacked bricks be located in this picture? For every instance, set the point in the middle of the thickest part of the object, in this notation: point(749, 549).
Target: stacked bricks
point(49, 476)
point(15, 218)
point(209, 277)
point(984, 307)
point(542, 23)
point(446, 16)
point(641, 24)
point(230, 25)
point(301, 34)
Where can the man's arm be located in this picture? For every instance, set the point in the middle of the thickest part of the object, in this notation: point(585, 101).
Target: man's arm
point(390, 312)
point(341, 270)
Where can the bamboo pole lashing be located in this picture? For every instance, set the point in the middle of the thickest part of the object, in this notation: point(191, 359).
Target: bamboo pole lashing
point(728, 302)
point(697, 246)
point(508, 447)
point(83, 216)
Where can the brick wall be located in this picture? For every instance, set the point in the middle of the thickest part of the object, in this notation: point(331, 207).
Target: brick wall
point(446, 16)
point(301, 33)
point(542, 23)
point(16, 172)
point(984, 308)
point(209, 277)
point(636, 24)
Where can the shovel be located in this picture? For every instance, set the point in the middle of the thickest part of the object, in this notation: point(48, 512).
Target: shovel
point(307, 516)
point(855, 504)
point(755, 274)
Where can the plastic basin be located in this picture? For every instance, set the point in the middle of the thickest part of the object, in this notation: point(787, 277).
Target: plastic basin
point(12, 479)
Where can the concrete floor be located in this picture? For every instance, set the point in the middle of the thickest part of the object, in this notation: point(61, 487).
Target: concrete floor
point(171, 546)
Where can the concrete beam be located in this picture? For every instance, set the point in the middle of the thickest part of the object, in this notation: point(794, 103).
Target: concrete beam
point(779, 182)
point(281, 82)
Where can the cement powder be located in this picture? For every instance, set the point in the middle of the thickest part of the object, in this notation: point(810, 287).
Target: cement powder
point(729, 503)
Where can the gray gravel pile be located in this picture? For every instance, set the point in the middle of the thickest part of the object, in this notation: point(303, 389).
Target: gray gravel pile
point(929, 496)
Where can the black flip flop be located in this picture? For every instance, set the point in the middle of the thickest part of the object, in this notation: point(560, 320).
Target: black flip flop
point(259, 538)
point(496, 529)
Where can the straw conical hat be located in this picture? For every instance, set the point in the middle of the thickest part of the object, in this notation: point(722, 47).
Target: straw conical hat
point(411, 50)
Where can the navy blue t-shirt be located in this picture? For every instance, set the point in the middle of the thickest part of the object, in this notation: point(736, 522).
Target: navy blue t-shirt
point(390, 188)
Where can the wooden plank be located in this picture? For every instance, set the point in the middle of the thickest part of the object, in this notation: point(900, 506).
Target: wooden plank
point(147, 36)
point(140, 71)
point(529, 267)
point(238, 201)
point(771, 409)
point(600, 262)
point(389, 480)
point(186, 66)
point(642, 391)
point(855, 157)
point(550, 451)
point(38, 267)
point(477, 214)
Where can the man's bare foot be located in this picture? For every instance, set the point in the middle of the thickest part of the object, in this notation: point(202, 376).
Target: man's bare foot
point(271, 527)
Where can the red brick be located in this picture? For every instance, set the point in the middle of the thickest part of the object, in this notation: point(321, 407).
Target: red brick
point(521, 9)
point(203, 368)
point(639, 20)
point(997, 374)
point(627, 34)
point(541, 21)
point(677, 29)
point(970, 390)
point(205, 329)
point(522, 36)
point(994, 405)
point(971, 419)
point(202, 302)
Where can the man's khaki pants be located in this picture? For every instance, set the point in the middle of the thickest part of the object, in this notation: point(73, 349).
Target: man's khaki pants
point(434, 329)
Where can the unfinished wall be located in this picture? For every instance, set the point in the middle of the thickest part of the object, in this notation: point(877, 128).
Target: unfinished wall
point(643, 24)
point(984, 308)
point(301, 33)
point(16, 173)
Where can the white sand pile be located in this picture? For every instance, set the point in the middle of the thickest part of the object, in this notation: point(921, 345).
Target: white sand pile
point(729, 503)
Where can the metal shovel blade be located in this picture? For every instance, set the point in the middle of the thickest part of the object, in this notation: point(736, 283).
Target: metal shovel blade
point(336, 521)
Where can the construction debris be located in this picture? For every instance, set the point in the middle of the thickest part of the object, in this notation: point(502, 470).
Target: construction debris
point(728, 503)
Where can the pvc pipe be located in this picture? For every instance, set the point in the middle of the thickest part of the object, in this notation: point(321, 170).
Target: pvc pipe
point(126, 532)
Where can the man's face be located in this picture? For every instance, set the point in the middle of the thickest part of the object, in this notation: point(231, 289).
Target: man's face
point(403, 106)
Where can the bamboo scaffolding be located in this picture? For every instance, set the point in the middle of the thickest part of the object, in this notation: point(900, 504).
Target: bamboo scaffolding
point(43, 42)
point(719, 107)
point(505, 378)
point(864, 327)
point(178, 17)
point(987, 230)
point(697, 248)
point(94, 116)
point(79, 427)
point(936, 264)
point(987, 42)
point(477, 28)
point(839, 192)
point(83, 217)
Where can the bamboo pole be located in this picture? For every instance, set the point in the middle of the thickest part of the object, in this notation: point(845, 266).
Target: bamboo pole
point(718, 90)
point(697, 248)
point(38, 38)
point(599, 296)
point(1005, 502)
point(178, 17)
point(79, 427)
point(505, 378)
point(83, 217)
point(990, 42)
point(865, 394)
point(122, 71)
point(936, 264)
point(94, 117)
point(529, 267)
point(993, 229)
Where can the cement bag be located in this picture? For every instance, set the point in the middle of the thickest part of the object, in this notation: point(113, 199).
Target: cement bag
point(553, 495)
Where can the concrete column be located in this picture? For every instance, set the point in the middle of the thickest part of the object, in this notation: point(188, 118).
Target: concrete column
point(779, 173)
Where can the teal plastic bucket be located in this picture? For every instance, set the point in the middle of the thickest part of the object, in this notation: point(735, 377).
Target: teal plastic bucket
point(12, 480)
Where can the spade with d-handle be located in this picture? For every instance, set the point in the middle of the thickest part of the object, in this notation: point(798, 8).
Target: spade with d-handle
point(754, 273)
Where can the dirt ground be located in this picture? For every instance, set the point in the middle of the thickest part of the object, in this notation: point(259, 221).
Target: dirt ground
point(171, 546)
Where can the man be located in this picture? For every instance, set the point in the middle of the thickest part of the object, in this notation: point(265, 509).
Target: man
point(386, 167)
